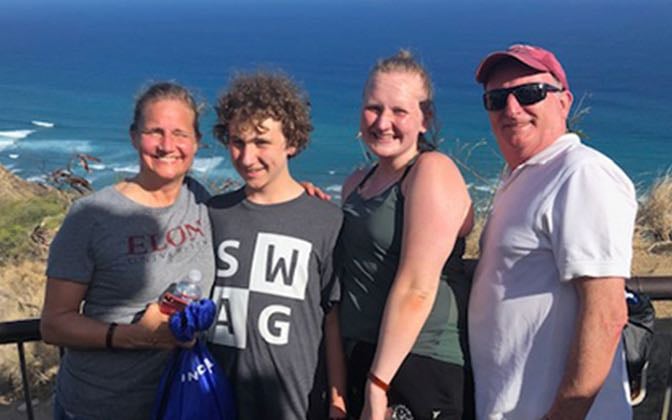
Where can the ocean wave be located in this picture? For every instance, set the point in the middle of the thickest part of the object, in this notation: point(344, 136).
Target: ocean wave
point(13, 156)
point(484, 188)
point(6, 143)
point(16, 134)
point(45, 124)
point(37, 178)
point(57, 145)
point(334, 188)
point(205, 165)
point(129, 169)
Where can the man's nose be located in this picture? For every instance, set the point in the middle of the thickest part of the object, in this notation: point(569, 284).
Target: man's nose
point(512, 105)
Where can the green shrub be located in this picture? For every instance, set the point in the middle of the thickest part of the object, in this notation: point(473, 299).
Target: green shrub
point(19, 219)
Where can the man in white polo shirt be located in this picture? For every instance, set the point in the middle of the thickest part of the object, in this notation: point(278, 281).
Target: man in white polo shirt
point(547, 306)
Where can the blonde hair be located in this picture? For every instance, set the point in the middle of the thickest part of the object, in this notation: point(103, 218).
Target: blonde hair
point(164, 91)
point(404, 62)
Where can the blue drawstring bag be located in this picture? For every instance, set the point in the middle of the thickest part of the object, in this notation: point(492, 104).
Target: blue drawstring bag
point(193, 386)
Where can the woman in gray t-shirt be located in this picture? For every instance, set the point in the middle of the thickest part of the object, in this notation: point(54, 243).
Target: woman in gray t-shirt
point(117, 251)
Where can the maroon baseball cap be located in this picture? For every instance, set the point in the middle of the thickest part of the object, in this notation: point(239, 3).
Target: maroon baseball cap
point(531, 56)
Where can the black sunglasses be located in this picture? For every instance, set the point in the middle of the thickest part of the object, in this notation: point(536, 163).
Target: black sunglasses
point(528, 94)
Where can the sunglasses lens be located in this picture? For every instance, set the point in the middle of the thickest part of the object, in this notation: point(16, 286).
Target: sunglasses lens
point(495, 100)
point(529, 94)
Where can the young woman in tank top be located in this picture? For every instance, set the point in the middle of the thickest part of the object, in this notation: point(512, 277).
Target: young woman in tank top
point(400, 255)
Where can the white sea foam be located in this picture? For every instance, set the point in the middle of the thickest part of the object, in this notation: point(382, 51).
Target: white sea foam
point(37, 178)
point(206, 165)
point(332, 172)
point(130, 169)
point(45, 124)
point(59, 146)
point(334, 189)
point(97, 166)
point(16, 134)
point(6, 143)
point(484, 188)
point(13, 156)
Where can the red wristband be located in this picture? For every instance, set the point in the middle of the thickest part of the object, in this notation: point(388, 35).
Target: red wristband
point(378, 382)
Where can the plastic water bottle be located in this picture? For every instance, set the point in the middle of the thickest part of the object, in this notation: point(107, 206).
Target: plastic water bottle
point(180, 294)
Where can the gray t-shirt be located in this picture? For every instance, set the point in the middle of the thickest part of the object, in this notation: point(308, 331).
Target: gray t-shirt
point(127, 254)
point(273, 287)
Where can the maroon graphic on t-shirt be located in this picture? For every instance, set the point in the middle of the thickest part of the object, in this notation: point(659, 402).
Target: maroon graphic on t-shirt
point(171, 238)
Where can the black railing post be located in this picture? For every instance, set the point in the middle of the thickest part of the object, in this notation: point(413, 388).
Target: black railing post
point(24, 378)
point(21, 332)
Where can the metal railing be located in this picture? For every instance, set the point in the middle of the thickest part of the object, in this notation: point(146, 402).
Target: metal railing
point(20, 332)
point(27, 330)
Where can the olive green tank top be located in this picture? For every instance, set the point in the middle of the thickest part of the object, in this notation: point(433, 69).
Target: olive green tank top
point(367, 257)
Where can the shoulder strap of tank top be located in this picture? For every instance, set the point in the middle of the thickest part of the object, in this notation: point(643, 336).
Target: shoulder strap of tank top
point(367, 176)
point(409, 165)
point(406, 171)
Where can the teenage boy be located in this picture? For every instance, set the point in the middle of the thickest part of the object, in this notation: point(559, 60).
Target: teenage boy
point(274, 288)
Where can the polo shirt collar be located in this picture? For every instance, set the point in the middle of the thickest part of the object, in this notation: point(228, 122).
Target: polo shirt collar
point(563, 143)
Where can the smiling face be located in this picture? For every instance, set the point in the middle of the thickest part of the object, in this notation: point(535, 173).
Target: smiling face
point(524, 131)
point(391, 119)
point(166, 141)
point(259, 153)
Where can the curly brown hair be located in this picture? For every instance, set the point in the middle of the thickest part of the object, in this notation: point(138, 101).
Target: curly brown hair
point(251, 98)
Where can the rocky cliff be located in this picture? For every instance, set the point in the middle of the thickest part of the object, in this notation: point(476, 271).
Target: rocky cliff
point(29, 215)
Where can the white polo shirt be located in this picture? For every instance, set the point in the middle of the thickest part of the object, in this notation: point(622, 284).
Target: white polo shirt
point(567, 212)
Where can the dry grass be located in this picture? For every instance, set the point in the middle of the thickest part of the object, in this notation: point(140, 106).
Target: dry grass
point(652, 248)
point(654, 220)
point(21, 297)
point(29, 216)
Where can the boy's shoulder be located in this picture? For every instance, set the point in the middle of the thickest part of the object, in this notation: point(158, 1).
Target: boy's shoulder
point(322, 208)
point(227, 200)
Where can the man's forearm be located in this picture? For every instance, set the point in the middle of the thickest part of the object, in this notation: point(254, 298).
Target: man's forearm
point(599, 325)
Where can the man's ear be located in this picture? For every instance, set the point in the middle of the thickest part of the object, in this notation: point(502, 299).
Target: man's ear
point(566, 100)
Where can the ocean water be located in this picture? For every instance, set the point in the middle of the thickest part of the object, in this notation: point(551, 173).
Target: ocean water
point(69, 71)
